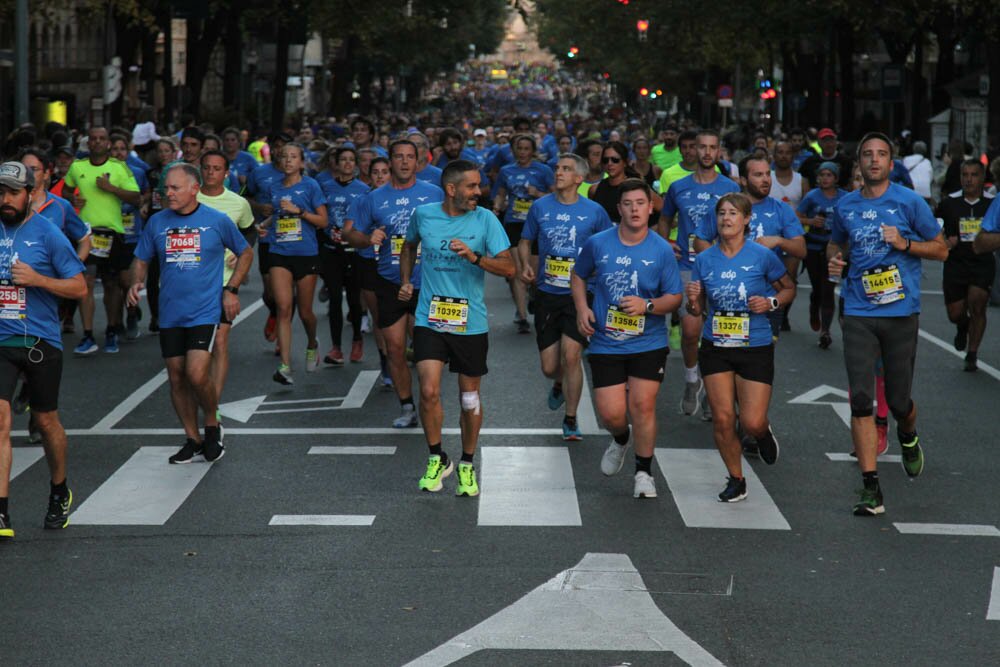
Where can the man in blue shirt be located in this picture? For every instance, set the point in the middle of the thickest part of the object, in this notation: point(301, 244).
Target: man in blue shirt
point(689, 202)
point(560, 223)
point(636, 285)
point(885, 230)
point(461, 243)
point(38, 266)
point(189, 241)
point(241, 163)
point(426, 172)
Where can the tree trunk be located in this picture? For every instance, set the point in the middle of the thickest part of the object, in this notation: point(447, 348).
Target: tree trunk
point(993, 67)
point(126, 42)
point(917, 117)
point(202, 37)
point(169, 97)
point(231, 98)
point(342, 84)
point(945, 33)
point(149, 65)
point(280, 77)
point(845, 56)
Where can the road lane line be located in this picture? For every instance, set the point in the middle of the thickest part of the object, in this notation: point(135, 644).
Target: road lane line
point(695, 477)
point(367, 451)
point(132, 432)
point(145, 491)
point(146, 390)
point(845, 457)
point(950, 349)
point(993, 610)
point(360, 389)
point(958, 529)
point(321, 520)
point(527, 486)
point(24, 458)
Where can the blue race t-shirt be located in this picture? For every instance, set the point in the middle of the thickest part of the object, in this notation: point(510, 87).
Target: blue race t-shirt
point(352, 214)
point(291, 235)
point(991, 221)
point(61, 213)
point(728, 283)
point(451, 290)
point(430, 174)
point(694, 205)
point(768, 217)
point(647, 269)
point(241, 166)
point(259, 184)
point(391, 209)
point(813, 204)
point(33, 311)
point(561, 230)
point(131, 215)
point(515, 179)
point(190, 249)
point(339, 197)
point(882, 281)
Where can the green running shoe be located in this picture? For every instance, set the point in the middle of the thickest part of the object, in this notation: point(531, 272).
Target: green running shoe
point(436, 471)
point(913, 458)
point(57, 515)
point(467, 485)
point(870, 503)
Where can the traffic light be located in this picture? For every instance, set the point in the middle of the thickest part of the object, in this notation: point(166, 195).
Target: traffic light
point(642, 25)
point(768, 94)
point(573, 51)
point(644, 91)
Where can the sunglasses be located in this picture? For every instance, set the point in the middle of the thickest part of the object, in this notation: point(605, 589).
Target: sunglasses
point(612, 160)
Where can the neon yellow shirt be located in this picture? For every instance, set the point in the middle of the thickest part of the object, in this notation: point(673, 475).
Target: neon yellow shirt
point(663, 158)
point(257, 149)
point(103, 209)
point(236, 209)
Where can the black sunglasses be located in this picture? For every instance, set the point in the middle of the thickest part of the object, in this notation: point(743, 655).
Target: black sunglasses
point(612, 160)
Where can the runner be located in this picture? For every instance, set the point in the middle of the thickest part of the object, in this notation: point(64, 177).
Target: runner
point(132, 222)
point(614, 160)
point(518, 185)
point(968, 276)
point(885, 230)
point(689, 202)
point(734, 285)
point(38, 266)
point(591, 150)
point(787, 185)
point(647, 171)
point(190, 240)
point(687, 143)
point(299, 209)
point(560, 223)
point(364, 136)
point(627, 328)
point(381, 220)
point(426, 171)
point(241, 162)
point(461, 243)
point(666, 153)
point(830, 152)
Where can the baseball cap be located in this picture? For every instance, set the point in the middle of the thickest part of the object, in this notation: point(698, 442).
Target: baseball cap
point(479, 133)
point(832, 167)
point(826, 132)
point(16, 176)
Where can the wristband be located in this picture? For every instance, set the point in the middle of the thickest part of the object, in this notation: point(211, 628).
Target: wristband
point(908, 243)
point(231, 289)
point(479, 257)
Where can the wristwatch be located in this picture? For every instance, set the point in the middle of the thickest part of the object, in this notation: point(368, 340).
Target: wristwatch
point(649, 306)
point(479, 257)
point(231, 289)
point(774, 302)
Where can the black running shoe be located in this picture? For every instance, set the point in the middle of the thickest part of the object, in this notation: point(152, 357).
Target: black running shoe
point(970, 363)
point(57, 515)
point(735, 491)
point(522, 326)
point(6, 530)
point(188, 452)
point(767, 447)
point(212, 446)
point(961, 336)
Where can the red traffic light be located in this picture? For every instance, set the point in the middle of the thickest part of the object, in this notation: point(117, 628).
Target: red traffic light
point(642, 25)
point(574, 50)
point(644, 91)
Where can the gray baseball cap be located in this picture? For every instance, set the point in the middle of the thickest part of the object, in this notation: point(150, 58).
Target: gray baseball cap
point(16, 176)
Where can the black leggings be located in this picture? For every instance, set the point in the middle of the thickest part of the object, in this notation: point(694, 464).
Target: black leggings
point(821, 297)
point(341, 272)
point(153, 287)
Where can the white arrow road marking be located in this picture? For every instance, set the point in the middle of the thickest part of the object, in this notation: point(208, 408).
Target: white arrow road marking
point(602, 604)
point(376, 451)
point(993, 611)
point(246, 408)
point(24, 458)
point(527, 486)
point(845, 457)
point(961, 529)
point(842, 408)
point(243, 410)
point(321, 520)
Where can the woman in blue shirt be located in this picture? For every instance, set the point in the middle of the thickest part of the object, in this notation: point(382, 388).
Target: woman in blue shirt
point(734, 285)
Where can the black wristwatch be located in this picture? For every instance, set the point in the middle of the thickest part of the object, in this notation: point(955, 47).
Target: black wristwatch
point(649, 306)
point(479, 257)
point(231, 289)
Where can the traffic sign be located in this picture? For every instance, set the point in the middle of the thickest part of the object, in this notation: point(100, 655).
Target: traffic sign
point(724, 92)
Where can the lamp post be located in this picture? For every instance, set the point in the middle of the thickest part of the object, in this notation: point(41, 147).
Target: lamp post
point(21, 63)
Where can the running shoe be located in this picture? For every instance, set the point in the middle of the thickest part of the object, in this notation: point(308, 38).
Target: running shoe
point(522, 326)
point(882, 427)
point(269, 329)
point(467, 485)
point(6, 529)
point(645, 485)
point(961, 336)
point(407, 418)
point(212, 447)
point(283, 375)
point(436, 471)
point(913, 458)
point(768, 448)
point(556, 398)
point(706, 410)
point(357, 351)
point(692, 396)
point(572, 433)
point(57, 516)
point(814, 320)
point(825, 340)
point(312, 359)
point(324, 294)
point(735, 491)
point(971, 365)
point(366, 324)
point(675, 337)
point(614, 458)
point(111, 343)
point(187, 453)
point(131, 326)
point(386, 380)
point(87, 346)
point(870, 503)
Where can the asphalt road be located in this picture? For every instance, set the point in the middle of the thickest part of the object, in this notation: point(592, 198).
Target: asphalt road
point(553, 564)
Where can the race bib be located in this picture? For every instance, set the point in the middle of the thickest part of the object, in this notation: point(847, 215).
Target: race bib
point(448, 314)
point(619, 324)
point(288, 230)
point(100, 244)
point(521, 207)
point(968, 228)
point(128, 223)
point(691, 251)
point(557, 270)
point(13, 304)
point(883, 285)
point(397, 241)
point(157, 203)
point(731, 329)
point(183, 245)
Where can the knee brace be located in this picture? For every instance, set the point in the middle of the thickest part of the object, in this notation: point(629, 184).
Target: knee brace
point(470, 402)
point(861, 405)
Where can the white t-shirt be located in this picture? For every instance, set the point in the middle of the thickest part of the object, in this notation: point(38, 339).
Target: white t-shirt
point(791, 194)
point(921, 173)
point(143, 133)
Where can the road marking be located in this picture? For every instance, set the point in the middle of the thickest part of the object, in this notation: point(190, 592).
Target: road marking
point(527, 486)
point(145, 491)
point(845, 457)
point(601, 604)
point(950, 349)
point(695, 477)
point(586, 418)
point(145, 391)
point(993, 610)
point(321, 520)
point(244, 409)
point(236, 430)
point(24, 458)
point(811, 397)
point(375, 451)
point(958, 529)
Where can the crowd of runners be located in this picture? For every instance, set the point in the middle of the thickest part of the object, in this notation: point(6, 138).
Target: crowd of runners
point(620, 241)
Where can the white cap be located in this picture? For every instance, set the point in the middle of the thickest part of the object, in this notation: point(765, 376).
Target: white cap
point(479, 133)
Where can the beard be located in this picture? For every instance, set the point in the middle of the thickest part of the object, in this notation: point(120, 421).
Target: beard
point(11, 216)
